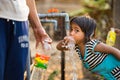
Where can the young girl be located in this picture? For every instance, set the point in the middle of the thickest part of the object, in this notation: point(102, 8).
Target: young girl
point(96, 56)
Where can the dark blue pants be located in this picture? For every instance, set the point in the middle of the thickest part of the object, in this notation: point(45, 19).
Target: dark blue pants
point(13, 49)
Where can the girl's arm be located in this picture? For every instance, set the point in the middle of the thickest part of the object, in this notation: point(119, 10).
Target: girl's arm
point(117, 31)
point(101, 47)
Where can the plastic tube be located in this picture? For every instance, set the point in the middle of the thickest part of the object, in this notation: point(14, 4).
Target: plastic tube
point(57, 15)
point(50, 21)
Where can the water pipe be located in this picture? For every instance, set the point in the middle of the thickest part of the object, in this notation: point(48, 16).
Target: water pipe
point(50, 21)
point(57, 15)
point(66, 17)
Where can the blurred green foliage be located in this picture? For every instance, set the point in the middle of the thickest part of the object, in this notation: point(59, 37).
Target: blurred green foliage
point(53, 74)
point(101, 11)
point(97, 4)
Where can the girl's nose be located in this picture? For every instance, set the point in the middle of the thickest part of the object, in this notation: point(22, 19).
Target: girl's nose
point(71, 33)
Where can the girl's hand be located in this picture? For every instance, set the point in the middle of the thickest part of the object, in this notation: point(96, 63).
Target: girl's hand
point(117, 31)
point(62, 45)
point(66, 44)
point(69, 39)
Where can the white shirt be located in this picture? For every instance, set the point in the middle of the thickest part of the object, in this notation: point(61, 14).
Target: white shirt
point(14, 9)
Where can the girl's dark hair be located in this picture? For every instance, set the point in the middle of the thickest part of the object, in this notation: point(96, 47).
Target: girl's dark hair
point(87, 25)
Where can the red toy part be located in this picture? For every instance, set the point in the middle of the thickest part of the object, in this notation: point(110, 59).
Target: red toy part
point(43, 56)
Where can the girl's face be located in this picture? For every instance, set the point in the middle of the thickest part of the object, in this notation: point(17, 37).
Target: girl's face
point(77, 33)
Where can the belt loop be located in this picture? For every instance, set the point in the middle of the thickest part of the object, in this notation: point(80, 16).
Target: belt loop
point(13, 22)
point(8, 20)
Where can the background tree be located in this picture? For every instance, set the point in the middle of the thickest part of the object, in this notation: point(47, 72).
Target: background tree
point(116, 19)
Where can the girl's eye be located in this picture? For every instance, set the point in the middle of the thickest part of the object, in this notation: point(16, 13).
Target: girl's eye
point(76, 30)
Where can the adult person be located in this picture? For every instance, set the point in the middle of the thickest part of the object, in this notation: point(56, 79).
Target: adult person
point(14, 42)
